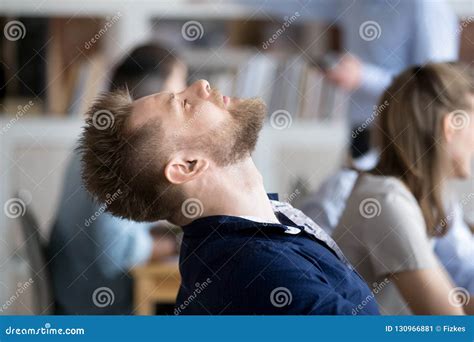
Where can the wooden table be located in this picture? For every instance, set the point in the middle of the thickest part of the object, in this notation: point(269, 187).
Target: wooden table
point(155, 283)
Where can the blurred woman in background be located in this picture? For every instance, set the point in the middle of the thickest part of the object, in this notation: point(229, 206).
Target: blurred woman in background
point(425, 137)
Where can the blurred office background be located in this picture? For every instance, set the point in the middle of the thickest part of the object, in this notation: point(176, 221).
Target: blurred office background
point(56, 56)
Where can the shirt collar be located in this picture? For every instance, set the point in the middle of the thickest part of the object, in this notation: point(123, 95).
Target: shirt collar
point(223, 224)
point(206, 225)
point(292, 221)
point(273, 196)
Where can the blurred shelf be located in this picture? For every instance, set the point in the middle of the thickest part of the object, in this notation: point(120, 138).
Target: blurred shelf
point(222, 57)
point(47, 127)
point(309, 131)
point(463, 8)
point(42, 124)
point(170, 9)
point(66, 130)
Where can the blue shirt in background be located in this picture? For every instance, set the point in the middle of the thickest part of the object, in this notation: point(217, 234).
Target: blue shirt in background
point(387, 36)
point(237, 266)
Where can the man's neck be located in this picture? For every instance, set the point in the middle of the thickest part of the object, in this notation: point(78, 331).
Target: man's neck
point(236, 191)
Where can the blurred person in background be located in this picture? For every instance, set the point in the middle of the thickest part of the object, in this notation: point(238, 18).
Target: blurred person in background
point(425, 135)
point(90, 251)
point(432, 36)
point(455, 249)
point(380, 38)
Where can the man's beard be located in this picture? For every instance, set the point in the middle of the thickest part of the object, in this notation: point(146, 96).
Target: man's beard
point(236, 139)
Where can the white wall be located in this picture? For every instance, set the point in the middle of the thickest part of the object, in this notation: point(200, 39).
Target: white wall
point(34, 153)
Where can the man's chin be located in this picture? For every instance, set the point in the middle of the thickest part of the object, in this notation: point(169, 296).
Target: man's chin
point(249, 115)
point(237, 137)
point(247, 109)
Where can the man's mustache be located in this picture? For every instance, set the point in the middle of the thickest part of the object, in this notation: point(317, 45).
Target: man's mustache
point(216, 97)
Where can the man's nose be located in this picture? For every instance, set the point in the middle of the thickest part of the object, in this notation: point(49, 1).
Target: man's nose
point(202, 87)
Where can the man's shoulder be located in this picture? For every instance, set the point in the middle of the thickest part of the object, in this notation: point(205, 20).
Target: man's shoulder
point(267, 277)
point(271, 254)
point(267, 270)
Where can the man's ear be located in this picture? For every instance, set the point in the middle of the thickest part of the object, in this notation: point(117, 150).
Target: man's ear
point(184, 167)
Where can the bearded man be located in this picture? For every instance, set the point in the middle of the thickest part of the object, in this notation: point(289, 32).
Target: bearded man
point(186, 157)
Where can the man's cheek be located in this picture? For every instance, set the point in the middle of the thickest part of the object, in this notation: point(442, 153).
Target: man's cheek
point(212, 116)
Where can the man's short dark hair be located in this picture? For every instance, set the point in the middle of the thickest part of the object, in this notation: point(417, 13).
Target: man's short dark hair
point(123, 167)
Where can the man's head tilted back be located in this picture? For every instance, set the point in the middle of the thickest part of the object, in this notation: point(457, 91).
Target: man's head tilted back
point(144, 158)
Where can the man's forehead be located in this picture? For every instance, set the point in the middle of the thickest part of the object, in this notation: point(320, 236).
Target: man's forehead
point(148, 108)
